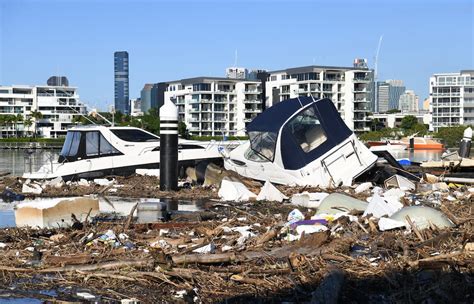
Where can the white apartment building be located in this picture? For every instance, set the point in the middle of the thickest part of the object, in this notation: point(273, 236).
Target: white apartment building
point(408, 102)
point(350, 88)
point(394, 120)
point(58, 105)
point(212, 106)
point(452, 99)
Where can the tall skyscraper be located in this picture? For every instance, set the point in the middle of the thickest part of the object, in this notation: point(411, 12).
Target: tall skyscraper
point(122, 102)
point(408, 102)
point(389, 93)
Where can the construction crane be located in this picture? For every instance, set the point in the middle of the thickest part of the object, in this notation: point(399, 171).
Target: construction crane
point(376, 60)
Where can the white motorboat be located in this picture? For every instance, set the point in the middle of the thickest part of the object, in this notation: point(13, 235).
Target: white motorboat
point(95, 151)
point(390, 147)
point(301, 141)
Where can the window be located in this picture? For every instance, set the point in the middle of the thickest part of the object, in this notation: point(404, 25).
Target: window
point(92, 143)
point(134, 135)
point(105, 147)
point(307, 130)
point(71, 144)
point(263, 143)
point(273, 78)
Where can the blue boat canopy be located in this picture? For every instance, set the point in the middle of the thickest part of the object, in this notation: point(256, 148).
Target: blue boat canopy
point(314, 129)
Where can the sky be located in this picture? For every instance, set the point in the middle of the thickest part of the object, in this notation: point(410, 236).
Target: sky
point(169, 40)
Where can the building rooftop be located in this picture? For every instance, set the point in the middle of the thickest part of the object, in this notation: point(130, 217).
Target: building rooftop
point(312, 68)
point(203, 79)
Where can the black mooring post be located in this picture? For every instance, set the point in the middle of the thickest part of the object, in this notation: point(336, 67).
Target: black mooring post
point(169, 147)
point(412, 143)
point(465, 146)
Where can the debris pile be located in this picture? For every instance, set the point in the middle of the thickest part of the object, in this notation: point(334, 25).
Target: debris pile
point(352, 244)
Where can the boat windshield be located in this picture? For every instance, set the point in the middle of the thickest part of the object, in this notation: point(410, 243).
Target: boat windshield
point(71, 144)
point(263, 143)
point(134, 135)
point(307, 130)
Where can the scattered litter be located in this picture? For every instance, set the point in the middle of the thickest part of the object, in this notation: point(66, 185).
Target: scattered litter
point(379, 207)
point(148, 172)
point(363, 187)
point(85, 296)
point(210, 248)
point(83, 182)
point(234, 191)
point(295, 216)
point(103, 181)
point(399, 181)
point(389, 224)
point(308, 200)
point(31, 189)
point(270, 193)
point(336, 202)
point(422, 216)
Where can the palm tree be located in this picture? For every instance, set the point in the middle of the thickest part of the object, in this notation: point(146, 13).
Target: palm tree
point(27, 123)
point(18, 118)
point(9, 120)
point(2, 123)
point(37, 115)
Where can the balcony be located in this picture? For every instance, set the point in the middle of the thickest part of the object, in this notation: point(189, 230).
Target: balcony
point(194, 110)
point(361, 110)
point(362, 129)
point(361, 79)
point(360, 90)
point(221, 101)
point(252, 91)
point(253, 101)
point(252, 110)
point(206, 100)
point(361, 100)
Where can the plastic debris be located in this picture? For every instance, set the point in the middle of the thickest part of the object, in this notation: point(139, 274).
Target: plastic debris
point(308, 200)
point(85, 296)
point(210, 248)
point(308, 229)
point(270, 193)
point(379, 207)
point(103, 181)
point(3, 245)
point(83, 182)
point(55, 212)
point(9, 196)
point(363, 187)
point(399, 181)
point(31, 189)
point(389, 224)
point(295, 216)
point(336, 202)
point(148, 172)
point(234, 191)
point(55, 182)
point(422, 216)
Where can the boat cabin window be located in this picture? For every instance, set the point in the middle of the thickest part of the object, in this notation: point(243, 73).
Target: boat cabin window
point(96, 144)
point(134, 135)
point(307, 130)
point(263, 143)
point(71, 144)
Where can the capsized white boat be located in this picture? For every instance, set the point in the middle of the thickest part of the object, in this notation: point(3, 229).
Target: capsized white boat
point(301, 141)
point(96, 151)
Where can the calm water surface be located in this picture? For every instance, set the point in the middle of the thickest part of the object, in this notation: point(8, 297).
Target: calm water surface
point(18, 162)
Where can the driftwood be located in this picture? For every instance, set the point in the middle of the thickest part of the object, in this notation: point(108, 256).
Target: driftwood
point(105, 265)
point(204, 259)
point(130, 217)
point(267, 236)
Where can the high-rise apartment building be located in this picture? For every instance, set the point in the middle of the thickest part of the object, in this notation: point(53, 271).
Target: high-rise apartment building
point(350, 88)
point(145, 96)
point(213, 106)
point(452, 99)
point(57, 104)
point(389, 93)
point(121, 73)
point(408, 102)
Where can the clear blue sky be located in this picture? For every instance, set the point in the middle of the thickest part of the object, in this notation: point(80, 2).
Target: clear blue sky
point(170, 40)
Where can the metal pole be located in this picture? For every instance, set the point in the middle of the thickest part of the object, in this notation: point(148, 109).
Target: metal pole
point(168, 146)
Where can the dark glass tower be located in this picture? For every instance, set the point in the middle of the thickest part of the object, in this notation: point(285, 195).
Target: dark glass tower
point(122, 100)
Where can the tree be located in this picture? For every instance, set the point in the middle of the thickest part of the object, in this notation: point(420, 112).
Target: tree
point(451, 135)
point(37, 115)
point(392, 111)
point(27, 123)
point(18, 118)
point(183, 130)
point(408, 122)
point(9, 120)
